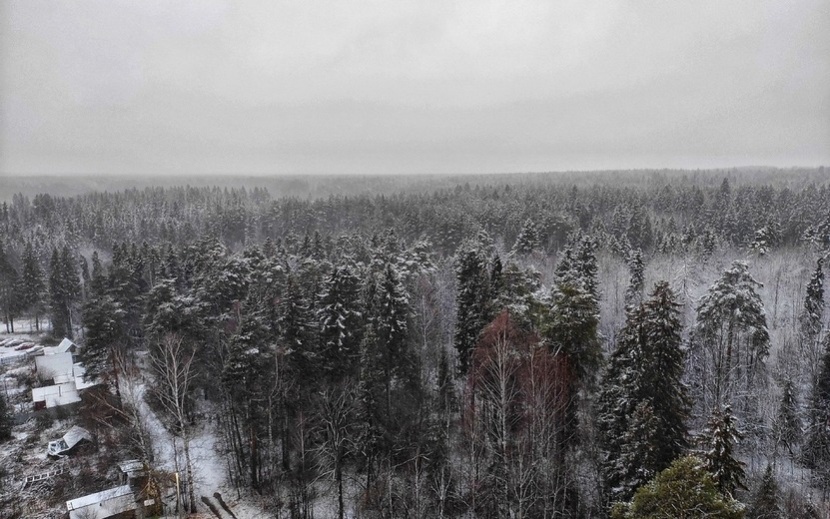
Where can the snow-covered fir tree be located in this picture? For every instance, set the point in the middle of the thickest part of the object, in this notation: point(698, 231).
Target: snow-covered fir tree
point(720, 459)
point(528, 240)
point(765, 503)
point(645, 369)
point(787, 425)
point(636, 279)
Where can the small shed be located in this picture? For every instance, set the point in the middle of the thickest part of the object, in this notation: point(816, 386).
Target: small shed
point(114, 502)
point(67, 444)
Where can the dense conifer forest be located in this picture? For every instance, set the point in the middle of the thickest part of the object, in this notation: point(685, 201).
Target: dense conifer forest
point(537, 346)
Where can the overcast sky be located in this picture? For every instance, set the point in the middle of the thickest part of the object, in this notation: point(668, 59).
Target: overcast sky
point(408, 86)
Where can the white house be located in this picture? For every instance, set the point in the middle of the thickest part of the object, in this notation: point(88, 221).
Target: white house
point(102, 504)
point(67, 380)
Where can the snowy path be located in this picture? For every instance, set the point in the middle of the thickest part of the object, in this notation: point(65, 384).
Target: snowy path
point(209, 472)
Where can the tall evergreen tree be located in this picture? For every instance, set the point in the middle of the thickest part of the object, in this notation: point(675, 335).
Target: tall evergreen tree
point(817, 446)
point(787, 425)
point(103, 321)
point(64, 289)
point(646, 369)
point(32, 287)
point(811, 320)
point(6, 420)
point(732, 331)
point(9, 286)
point(472, 301)
point(636, 270)
point(528, 240)
point(586, 264)
point(720, 460)
point(765, 501)
point(340, 321)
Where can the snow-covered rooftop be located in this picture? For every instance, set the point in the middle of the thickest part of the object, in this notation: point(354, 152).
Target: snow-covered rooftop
point(55, 366)
point(98, 497)
point(56, 395)
point(64, 346)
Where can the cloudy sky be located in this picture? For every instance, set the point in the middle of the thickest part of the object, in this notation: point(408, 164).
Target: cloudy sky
point(409, 86)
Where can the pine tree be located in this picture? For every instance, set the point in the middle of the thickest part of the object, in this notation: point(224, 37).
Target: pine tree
point(787, 426)
point(32, 287)
point(9, 286)
point(811, 318)
point(472, 301)
point(6, 419)
point(722, 438)
point(566, 268)
point(645, 369)
point(732, 327)
point(765, 501)
point(528, 240)
point(97, 278)
point(817, 446)
point(683, 490)
point(64, 289)
point(636, 269)
point(296, 331)
point(640, 459)
point(572, 327)
point(103, 320)
point(340, 320)
point(586, 264)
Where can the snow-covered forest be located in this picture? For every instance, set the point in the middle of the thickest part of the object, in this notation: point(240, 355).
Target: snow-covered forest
point(537, 346)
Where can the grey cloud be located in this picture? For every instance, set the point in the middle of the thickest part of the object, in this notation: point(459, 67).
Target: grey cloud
point(411, 86)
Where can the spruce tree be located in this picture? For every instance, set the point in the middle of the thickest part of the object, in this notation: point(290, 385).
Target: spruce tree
point(586, 264)
point(683, 490)
point(572, 327)
point(817, 446)
point(528, 240)
point(64, 289)
point(636, 270)
point(722, 439)
point(765, 501)
point(787, 426)
point(472, 301)
point(32, 287)
point(9, 286)
point(105, 335)
point(640, 459)
point(340, 320)
point(6, 419)
point(811, 318)
point(646, 369)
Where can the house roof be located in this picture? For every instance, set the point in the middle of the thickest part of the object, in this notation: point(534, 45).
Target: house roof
point(98, 497)
point(54, 366)
point(64, 346)
point(132, 468)
point(76, 434)
point(79, 371)
point(58, 394)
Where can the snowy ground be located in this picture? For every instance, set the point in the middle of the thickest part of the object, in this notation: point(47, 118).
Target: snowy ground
point(209, 471)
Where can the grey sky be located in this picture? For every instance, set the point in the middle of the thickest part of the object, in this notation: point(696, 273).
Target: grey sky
point(408, 86)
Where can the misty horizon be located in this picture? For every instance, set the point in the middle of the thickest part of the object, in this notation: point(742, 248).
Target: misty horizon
point(264, 88)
